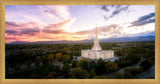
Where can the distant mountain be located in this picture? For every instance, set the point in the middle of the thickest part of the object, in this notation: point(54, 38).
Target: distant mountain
point(129, 39)
point(19, 42)
point(121, 39)
point(51, 42)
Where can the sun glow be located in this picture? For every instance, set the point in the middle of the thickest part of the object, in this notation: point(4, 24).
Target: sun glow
point(77, 22)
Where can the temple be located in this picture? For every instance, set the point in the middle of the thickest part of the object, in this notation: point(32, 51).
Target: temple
point(97, 52)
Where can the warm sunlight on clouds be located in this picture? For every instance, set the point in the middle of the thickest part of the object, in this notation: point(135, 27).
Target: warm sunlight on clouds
point(33, 23)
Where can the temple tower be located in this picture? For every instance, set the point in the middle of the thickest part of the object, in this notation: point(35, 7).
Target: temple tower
point(96, 45)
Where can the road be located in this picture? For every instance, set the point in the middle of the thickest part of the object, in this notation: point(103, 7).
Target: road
point(143, 75)
point(147, 74)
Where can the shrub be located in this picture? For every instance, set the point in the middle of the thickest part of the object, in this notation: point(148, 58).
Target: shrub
point(146, 64)
point(127, 75)
point(133, 71)
point(92, 73)
point(119, 75)
point(112, 66)
point(78, 73)
point(52, 75)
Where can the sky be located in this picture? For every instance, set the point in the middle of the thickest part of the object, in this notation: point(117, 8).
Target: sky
point(34, 23)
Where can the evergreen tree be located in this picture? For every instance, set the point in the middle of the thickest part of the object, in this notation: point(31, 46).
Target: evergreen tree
point(101, 67)
point(66, 69)
point(92, 73)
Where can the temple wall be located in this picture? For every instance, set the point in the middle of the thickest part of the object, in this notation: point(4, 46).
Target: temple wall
point(94, 54)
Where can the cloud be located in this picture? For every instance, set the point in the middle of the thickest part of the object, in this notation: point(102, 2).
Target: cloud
point(108, 28)
point(105, 8)
point(85, 32)
point(100, 29)
point(53, 31)
point(64, 25)
point(11, 32)
point(106, 31)
point(63, 11)
point(32, 31)
point(18, 26)
point(108, 7)
point(35, 19)
point(50, 14)
point(118, 10)
point(150, 18)
point(57, 12)
point(21, 31)
point(115, 9)
point(12, 23)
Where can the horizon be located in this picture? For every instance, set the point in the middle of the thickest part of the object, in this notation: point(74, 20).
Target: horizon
point(152, 39)
point(33, 23)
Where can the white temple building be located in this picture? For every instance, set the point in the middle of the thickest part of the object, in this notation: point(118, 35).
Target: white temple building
point(97, 52)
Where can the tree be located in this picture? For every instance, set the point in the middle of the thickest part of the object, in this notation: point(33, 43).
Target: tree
point(58, 56)
point(67, 49)
point(119, 75)
point(92, 65)
point(74, 63)
point(76, 53)
point(56, 69)
point(127, 75)
point(66, 69)
point(85, 65)
point(92, 73)
point(51, 57)
point(52, 75)
point(45, 60)
point(112, 66)
point(78, 73)
point(118, 52)
point(134, 71)
point(28, 63)
point(133, 58)
point(101, 67)
point(66, 58)
point(18, 66)
point(38, 60)
point(80, 63)
point(146, 64)
point(71, 56)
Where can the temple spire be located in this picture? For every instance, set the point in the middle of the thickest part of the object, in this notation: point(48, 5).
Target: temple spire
point(96, 32)
point(96, 45)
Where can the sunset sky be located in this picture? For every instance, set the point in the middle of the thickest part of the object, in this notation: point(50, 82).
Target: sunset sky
point(33, 23)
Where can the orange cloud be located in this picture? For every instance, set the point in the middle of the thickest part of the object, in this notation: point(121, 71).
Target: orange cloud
point(31, 32)
point(52, 32)
point(17, 26)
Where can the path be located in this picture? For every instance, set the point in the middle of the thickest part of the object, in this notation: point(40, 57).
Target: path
point(112, 75)
point(147, 74)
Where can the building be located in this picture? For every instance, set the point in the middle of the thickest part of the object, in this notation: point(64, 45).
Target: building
point(97, 52)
